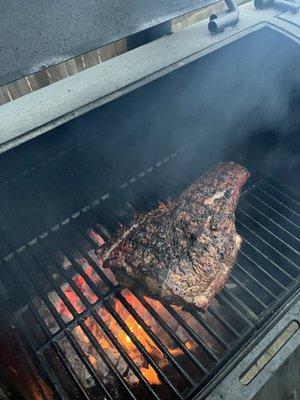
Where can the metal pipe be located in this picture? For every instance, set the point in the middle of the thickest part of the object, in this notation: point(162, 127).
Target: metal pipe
point(230, 17)
point(285, 5)
point(261, 4)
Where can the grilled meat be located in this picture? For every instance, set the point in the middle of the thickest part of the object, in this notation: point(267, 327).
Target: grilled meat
point(183, 252)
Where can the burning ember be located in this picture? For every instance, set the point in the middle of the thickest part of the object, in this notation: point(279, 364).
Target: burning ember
point(121, 335)
point(116, 331)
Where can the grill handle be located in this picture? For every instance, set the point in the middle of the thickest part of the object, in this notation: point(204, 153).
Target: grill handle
point(271, 369)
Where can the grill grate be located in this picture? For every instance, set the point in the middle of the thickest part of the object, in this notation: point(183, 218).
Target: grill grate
point(77, 320)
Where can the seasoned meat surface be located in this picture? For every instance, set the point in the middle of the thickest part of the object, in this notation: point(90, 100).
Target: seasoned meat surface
point(183, 252)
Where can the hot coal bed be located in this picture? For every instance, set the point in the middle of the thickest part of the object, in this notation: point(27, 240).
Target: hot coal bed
point(67, 329)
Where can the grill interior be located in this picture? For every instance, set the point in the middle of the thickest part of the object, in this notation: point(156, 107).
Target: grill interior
point(66, 302)
point(63, 195)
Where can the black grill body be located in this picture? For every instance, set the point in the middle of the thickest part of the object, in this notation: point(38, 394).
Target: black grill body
point(62, 194)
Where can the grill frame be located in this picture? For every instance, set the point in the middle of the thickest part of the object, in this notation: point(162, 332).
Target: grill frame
point(19, 130)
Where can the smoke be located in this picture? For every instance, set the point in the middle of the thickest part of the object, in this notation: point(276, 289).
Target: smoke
point(246, 89)
point(240, 102)
point(242, 91)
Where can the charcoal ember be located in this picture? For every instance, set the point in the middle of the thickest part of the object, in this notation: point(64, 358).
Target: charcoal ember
point(76, 364)
point(182, 252)
point(46, 314)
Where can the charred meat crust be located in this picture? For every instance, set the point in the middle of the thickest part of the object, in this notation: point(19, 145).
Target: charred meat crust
point(183, 252)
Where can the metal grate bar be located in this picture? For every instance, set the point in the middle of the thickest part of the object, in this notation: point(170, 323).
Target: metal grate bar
point(282, 194)
point(290, 196)
point(267, 222)
point(244, 287)
point(29, 278)
point(286, 251)
point(107, 361)
point(97, 269)
point(55, 286)
point(223, 321)
point(155, 339)
point(255, 281)
point(41, 322)
point(170, 332)
point(191, 332)
point(259, 267)
point(92, 287)
point(289, 213)
point(240, 305)
point(76, 290)
point(57, 388)
point(79, 352)
point(79, 271)
point(123, 353)
point(276, 212)
point(229, 302)
point(266, 213)
point(258, 239)
point(209, 329)
point(72, 374)
point(143, 351)
point(41, 293)
point(293, 229)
